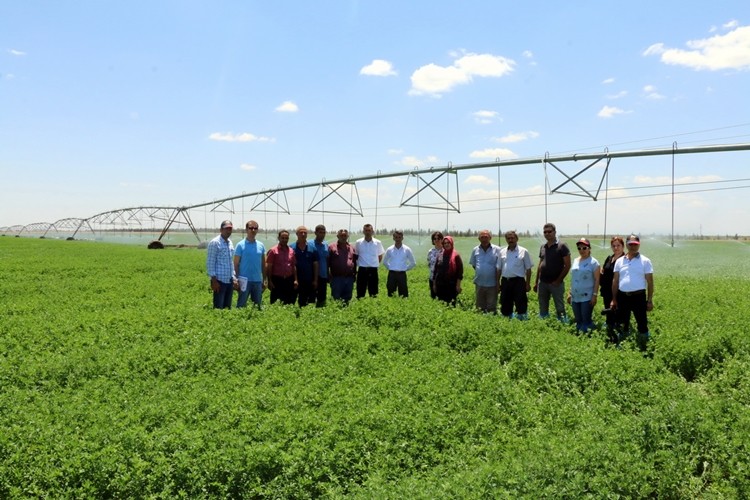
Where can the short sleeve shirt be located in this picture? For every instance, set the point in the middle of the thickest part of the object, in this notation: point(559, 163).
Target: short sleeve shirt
point(251, 258)
point(633, 272)
point(552, 260)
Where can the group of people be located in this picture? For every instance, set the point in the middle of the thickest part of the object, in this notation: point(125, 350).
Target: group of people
point(301, 272)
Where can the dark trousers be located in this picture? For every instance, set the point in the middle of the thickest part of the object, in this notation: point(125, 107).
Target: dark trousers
point(397, 282)
point(283, 290)
point(367, 281)
point(321, 292)
point(223, 298)
point(513, 293)
point(432, 289)
point(446, 291)
point(305, 293)
point(634, 302)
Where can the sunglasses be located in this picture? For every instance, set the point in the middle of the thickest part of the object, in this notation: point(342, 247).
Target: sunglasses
point(583, 248)
point(252, 228)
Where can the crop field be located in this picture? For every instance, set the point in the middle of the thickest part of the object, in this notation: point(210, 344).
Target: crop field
point(118, 379)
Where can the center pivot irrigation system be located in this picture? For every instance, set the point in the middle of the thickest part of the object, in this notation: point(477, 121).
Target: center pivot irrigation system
point(344, 193)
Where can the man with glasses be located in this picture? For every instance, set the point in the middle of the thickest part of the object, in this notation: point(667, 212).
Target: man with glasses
point(250, 266)
point(633, 289)
point(554, 264)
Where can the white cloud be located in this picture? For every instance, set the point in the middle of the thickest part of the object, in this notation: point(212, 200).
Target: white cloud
point(500, 153)
point(618, 95)
point(731, 24)
point(248, 167)
point(610, 111)
point(528, 54)
point(8, 76)
point(413, 161)
point(395, 151)
point(287, 107)
point(719, 52)
point(435, 80)
point(478, 179)
point(16, 52)
point(651, 92)
point(608, 81)
point(485, 116)
point(243, 137)
point(378, 67)
point(517, 137)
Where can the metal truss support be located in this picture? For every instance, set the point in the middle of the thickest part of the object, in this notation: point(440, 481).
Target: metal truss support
point(450, 206)
point(334, 190)
point(172, 219)
point(268, 196)
point(572, 179)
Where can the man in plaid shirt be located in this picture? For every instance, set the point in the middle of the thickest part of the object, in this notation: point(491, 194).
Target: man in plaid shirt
point(220, 267)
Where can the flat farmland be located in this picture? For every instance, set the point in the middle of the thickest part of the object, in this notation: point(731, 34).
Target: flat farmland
point(117, 379)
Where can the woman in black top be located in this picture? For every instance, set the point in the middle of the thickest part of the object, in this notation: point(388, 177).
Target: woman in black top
point(605, 282)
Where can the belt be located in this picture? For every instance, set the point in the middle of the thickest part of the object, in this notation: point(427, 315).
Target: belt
point(637, 292)
point(400, 272)
point(514, 278)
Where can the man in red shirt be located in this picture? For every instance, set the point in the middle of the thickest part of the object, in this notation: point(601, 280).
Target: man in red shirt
point(281, 269)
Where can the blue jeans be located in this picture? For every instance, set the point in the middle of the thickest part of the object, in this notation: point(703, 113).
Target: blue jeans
point(254, 291)
point(582, 312)
point(342, 287)
point(223, 298)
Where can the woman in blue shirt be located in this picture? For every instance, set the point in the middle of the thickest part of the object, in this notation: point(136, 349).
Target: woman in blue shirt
point(584, 286)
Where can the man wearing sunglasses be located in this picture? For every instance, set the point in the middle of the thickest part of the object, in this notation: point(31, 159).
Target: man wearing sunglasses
point(554, 264)
point(250, 266)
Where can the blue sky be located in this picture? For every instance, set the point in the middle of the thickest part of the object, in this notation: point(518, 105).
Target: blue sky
point(106, 105)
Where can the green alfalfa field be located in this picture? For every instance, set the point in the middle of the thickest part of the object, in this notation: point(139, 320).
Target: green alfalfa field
point(117, 380)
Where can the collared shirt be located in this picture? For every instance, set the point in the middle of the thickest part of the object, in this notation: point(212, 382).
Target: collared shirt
point(399, 259)
point(552, 258)
point(322, 249)
point(342, 259)
point(485, 263)
point(515, 262)
point(281, 261)
point(632, 272)
point(251, 258)
point(583, 273)
point(306, 258)
point(219, 262)
point(368, 252)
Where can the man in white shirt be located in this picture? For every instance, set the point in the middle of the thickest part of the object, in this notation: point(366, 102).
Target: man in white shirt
point(369, 255)
point(633, 289)
point(398, 259)
point(515, 281)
